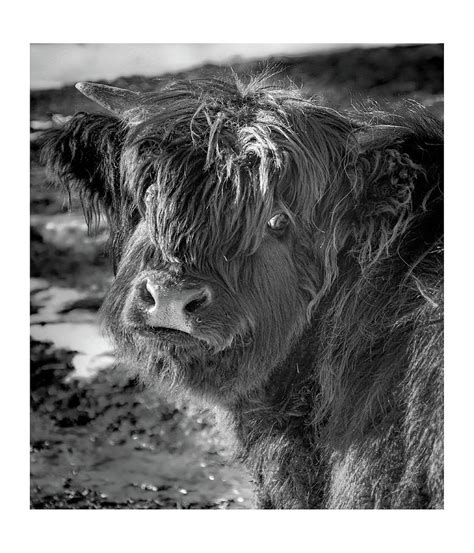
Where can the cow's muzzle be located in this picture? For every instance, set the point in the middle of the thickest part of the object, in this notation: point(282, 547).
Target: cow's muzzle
point(176, 307)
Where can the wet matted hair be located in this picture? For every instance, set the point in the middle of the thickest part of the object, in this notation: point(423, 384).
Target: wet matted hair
point(317, 236)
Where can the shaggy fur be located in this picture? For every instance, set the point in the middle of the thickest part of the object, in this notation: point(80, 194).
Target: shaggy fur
point(322, 347)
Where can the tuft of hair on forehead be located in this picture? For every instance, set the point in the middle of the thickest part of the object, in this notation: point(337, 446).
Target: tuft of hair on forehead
point(215, 155)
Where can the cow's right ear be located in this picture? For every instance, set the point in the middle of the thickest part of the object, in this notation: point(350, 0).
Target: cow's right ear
point(84, 154)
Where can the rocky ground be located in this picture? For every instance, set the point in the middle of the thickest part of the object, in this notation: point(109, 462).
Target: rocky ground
point(98, 440)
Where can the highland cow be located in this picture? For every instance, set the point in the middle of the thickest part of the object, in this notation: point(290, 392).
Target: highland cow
point(282, 262)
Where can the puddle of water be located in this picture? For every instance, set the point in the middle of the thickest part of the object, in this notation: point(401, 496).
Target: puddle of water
point(77, 330)
point(87, 366)
point(82, 337)
point(51, 301)
point(38, 284)
point(95, 352)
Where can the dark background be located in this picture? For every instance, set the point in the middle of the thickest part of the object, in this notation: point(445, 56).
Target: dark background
point(97, 439)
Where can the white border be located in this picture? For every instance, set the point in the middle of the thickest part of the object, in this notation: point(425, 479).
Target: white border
point(295, 21)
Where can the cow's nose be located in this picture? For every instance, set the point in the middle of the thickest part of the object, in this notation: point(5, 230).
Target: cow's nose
point(175, 308)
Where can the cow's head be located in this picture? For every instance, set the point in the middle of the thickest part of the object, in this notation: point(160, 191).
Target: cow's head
point(227, 211)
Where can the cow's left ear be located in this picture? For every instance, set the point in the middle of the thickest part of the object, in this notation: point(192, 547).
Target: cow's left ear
point(84, 154)
point(398, 190)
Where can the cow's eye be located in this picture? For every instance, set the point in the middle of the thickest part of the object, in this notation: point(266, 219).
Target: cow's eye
point(279, 222)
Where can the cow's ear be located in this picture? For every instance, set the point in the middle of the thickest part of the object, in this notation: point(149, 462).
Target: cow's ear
point(397, 192)
point(398, 184)
point(85, 154)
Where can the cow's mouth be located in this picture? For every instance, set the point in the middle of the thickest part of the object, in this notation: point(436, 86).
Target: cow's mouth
point(172, 337)
point(162, 332)
point(166, 335)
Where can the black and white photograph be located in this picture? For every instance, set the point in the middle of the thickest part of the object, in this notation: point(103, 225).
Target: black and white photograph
point(236, 276)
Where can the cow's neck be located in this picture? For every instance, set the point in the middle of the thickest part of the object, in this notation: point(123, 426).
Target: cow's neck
point(271, 431)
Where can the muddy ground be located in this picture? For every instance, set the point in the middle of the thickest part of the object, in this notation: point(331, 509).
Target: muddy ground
point(98, 440)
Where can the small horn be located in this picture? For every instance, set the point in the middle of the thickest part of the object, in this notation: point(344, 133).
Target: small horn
point(116, 100)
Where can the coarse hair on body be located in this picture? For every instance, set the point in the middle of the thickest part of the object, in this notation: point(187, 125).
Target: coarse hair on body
point(322, 348)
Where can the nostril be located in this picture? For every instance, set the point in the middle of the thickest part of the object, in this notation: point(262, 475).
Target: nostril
point(148, 293)
point(196, 303)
